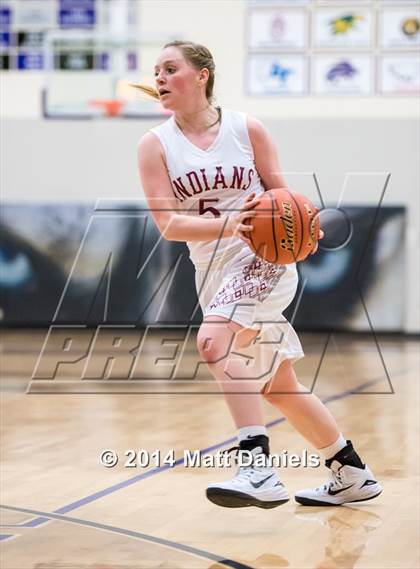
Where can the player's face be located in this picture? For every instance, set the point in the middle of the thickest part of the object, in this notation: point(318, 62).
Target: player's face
point(176, 79)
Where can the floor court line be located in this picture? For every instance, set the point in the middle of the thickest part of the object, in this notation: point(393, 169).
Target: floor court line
point(136, 535)
point(157, 470)
point(4, 536)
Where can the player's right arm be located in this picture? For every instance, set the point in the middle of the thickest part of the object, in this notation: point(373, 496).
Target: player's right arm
point(175, 226)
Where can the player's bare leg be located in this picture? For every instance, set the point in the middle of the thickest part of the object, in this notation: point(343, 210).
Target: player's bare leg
point(255, 484)
point(217, 338)
point(350, 479)
point(308, 415)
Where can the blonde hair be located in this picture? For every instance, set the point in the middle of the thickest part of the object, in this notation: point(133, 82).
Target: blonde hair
point(198, 56)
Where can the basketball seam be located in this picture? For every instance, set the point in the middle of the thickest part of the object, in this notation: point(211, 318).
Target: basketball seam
point(301, 226)
point(273, 225)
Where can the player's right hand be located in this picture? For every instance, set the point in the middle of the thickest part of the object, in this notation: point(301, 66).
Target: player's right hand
point(236, 224)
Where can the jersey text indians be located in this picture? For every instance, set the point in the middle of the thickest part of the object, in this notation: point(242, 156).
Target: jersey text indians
point(198, 182)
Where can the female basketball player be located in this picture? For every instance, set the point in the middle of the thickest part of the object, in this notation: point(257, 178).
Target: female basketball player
point(202, 172)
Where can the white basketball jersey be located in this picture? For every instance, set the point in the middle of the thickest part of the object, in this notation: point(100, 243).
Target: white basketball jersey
point(212, 182)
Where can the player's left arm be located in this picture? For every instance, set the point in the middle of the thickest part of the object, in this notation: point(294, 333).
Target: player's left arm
point(266, 159)
point(265, 155)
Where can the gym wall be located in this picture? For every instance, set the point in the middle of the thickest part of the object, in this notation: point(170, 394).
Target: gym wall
point(351, 140)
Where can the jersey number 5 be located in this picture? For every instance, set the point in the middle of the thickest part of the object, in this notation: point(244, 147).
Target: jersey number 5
point(202, 210)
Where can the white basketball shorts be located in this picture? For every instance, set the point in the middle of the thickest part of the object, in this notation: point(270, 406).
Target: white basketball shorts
point(253, 293)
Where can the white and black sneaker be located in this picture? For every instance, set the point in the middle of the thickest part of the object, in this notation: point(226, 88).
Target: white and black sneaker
point(253, 485)
point(350, 481)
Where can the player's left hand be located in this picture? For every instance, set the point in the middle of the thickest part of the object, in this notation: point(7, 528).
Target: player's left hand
point(321, 236)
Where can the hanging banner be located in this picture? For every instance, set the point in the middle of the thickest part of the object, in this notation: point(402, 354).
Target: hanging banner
point(400, 75)
point(76, 14)
point(35, 15)
point(74, 60)
point(5, 39)
point(346, 74)
point(400, 27)
point(349, 27)
point(5, 17)
point(273, 74)
point(283, 29)
point(30, 61)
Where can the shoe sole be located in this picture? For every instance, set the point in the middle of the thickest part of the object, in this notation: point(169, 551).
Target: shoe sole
point(233, 499)
point(310, 502)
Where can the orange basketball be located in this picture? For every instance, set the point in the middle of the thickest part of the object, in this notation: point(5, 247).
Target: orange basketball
point(286, 228)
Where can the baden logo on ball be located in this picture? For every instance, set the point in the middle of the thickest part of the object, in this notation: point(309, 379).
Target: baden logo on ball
point(286, 227)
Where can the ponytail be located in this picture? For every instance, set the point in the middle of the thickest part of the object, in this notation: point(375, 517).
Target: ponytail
point(147, 90)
